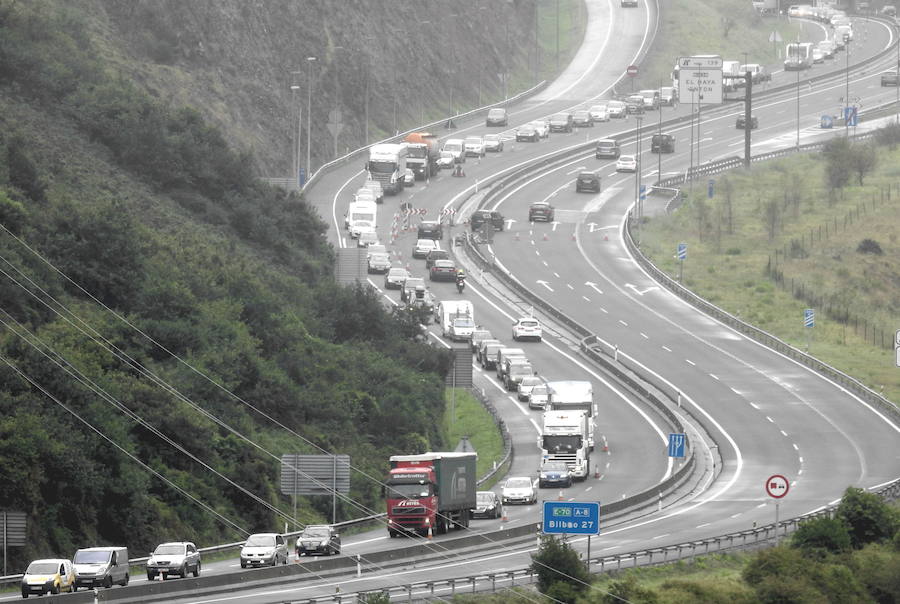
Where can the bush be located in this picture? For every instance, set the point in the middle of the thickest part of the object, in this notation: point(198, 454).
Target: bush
point(557, 562)
point(822, 536)
point(867, 516)
point(869, 246)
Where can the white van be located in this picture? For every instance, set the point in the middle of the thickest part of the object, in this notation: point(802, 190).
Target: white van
point(448, 310)
point(100, 567)
point(359, 215)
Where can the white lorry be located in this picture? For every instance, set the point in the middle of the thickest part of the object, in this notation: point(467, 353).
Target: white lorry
point(387, 165)
point(564, 437)
point(574, 395)
point(457, 319)
point(360, 215)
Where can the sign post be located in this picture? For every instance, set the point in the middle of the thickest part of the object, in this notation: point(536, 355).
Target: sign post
point(777, 486)
point(632, 71)
point(809, 321)
point(572, 517)
point(897, 347)
point(682, 255)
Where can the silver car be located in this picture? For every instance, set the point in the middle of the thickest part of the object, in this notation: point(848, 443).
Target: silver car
point(538, 397)
point(519, 489)
point(177, 558)
point(264, 549)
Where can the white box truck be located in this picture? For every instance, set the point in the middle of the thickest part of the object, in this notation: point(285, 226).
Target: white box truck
point(564, 437)
point(387, 165)
point(574, 395)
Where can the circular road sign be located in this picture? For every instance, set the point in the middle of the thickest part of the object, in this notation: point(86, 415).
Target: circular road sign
point(632, 70)
point(777, 486)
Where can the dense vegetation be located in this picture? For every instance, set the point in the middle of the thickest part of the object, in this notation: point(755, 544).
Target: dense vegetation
point(147, 274)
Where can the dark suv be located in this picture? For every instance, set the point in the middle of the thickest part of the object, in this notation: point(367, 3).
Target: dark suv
point(540, 210)
point(587, 181)
point(431, 230)
point(561, 122)
point(608, 148)
point(479, 217)
point(318, 539)
point(662, 143)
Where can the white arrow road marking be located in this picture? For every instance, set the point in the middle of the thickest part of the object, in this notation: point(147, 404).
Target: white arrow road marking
point(591, 226)
point(544, 283)
point(593, 286)
point(553, 225)
point(640, 292)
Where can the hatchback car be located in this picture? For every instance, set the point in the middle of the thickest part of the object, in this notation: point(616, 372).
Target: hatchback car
point(434, 255)
point(487, 505)
point(527, 133)
point(493, 143)
point(264, 549)
point(478, 336)
point(430, 229)
point(616, 109)
point(741, 122)
point(634, 104)
point(395, 277)
point(541, 210)
point(408, 289)
point(487, 354)
point(607, 148)
point(555, 474)
point(538, 397)
point(178, 558)
point(318, 539)
point(479, 217)
point(409, 178)
point(662, 143)
point(599, 113)
point(527, 385)
point(587, 181)
point(518, 489)
point(422, 247)
point(51, 576)
point(365, 194)
point(446, 160)
point(626, 163)
point(561, 122)
point(366, 237)
point(582, 119)
point(474, 146)
point(442, 270)
point(378, 263)
point(496, 117)
point(527, 328)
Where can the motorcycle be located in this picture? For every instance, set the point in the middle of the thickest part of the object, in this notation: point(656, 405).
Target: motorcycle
point(460, 284)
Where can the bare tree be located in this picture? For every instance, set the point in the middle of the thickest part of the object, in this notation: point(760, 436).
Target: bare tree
point(728, 202)
point(863, 159)
point(772, 217)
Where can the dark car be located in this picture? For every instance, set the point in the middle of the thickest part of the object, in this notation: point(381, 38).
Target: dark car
point(487, 505)
point(890, 78)
point(540, 210)
point(431, 230)
point(496, 117)
point(662, 143)
point(741, 122)
point(479, 217)
point(634, 104)
point(527, 133)
point(561, 122)
point(442, 270)
point(318, 539)
point(555, 474)
point(608, 148)
point(408, 289)
point(587, 181)
point(581, 119)
point(435, 255)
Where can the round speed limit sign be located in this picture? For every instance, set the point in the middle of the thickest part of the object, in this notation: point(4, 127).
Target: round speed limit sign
point(777, 486)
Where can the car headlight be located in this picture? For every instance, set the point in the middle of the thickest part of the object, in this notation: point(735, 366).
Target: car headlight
point(323, 543)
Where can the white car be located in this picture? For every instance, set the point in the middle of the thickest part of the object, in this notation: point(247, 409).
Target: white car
point(474, 145)
point(626, 163)
point(542, 127)
point(359, 226)
point(518, 489)
point(446, 160)
point(178, 558)
point(538, 397)
point(616, 109)
point(264, 549)
point(599, 113)
point(423, 246)
point(365, 194)
point(366, 237)
point(375, 248)
point(526, 385)
point(409, 178)
point(376, 188)
point(527, 328)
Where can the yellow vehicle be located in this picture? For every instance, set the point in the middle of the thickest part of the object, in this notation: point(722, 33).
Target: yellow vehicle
point(48, 577)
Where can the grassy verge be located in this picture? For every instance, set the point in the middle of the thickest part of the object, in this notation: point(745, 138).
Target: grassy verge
point(782, 216)
point(465, 416)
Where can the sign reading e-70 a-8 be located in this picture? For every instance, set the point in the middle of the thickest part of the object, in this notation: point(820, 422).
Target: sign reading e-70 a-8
point(571, 517)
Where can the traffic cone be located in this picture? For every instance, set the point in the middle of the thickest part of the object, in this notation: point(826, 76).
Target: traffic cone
point(517, 235)
point(606, 238)
point(573, 236)
point(560, 498)
point(546, 238)
point(504, 518)
point(596, 473)
point(606, 448)
point(429, 532)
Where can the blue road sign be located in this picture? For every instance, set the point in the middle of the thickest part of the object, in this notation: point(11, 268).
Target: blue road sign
point(826, 121)
point(851, 116)
point(302, 176)
point(643, 192)
point(572, 517)
point(677, 444)
point(682, 251)
point(710, 187)
point(809, 317)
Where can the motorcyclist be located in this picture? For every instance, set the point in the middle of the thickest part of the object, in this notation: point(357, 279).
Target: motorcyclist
point(460, 279)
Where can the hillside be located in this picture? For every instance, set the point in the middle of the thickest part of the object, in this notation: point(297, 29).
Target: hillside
point(170, 325)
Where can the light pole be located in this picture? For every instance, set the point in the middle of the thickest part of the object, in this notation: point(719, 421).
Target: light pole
point(309, 62)
point(659, 131)
point(798, 107)
point(847, 86)
point(295, 147)
point(637, 176)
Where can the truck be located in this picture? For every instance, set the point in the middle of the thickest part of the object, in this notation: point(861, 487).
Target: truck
point(732, 77)
point(449, 311)
point(430, 493)
point(564, 437)
point(574, 395)
point(422, 153)
point(387, 165)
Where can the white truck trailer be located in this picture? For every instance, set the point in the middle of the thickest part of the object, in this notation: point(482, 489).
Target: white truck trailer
point(564, 437)
point(574, 395)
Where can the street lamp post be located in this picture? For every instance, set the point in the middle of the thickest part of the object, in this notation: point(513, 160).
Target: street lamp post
point(295, 146)
point(659, 131)
point(798, 108)
point(847, 86)
point(637, 176)
point(309, 62)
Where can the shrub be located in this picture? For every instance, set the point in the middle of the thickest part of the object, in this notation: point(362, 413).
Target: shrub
point(557, 562)
point(869, 246)
point(821, 536)
point(868, 517)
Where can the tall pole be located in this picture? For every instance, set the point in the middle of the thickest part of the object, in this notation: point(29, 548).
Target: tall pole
point(295, 143)
point(748, 111)
point(798, 108)
point(366, 101)
point(847, 87)
point(659, 131)
point(557, 36)
point(691, 164)
point(309, 62)
point(637, 176)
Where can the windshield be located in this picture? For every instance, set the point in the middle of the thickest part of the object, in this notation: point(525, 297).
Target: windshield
point(452, 147)
point(562, 444)
point(362, 216)
point(555, 467)
point(168, 550)
point(91, 557)
point(518, 483)
point(417, 152)
point(409, 491)
point(315, 533)
point(463, 323)
point(260, 541)
point(539, 391)
point(382, 167)
point(485, 497)
point(520, 370)
point(42, 568)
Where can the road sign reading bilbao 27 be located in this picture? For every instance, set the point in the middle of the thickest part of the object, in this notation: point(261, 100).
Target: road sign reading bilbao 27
point(572, 517)
point(700, 80)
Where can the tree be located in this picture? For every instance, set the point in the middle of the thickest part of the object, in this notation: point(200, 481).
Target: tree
point(772, 217)
point(869, 519)
point(555, 562)
point(863, 160)
point(22, 173)
point(821, 536)
point(837, 154)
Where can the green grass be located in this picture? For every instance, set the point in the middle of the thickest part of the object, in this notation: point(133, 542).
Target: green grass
point(728, 268)
point(465, 416)
point(569, 24)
